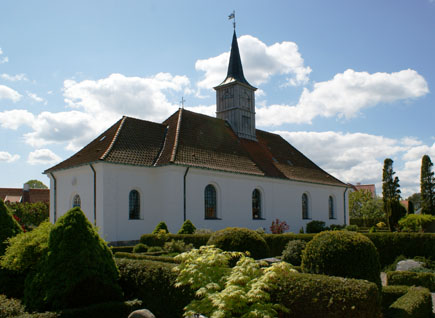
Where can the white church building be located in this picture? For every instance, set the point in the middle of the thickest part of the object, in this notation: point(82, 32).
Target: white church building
point(216, 172)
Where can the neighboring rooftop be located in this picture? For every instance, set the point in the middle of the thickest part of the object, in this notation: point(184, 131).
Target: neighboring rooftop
point(14, 195)
point(368, 187)
point(190, 139)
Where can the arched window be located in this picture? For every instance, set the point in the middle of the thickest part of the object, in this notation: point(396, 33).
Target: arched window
point(305, 212)
point(256, 204)
point(134, 205)
point(76, 201)
point(210, 203)
point(331, 207)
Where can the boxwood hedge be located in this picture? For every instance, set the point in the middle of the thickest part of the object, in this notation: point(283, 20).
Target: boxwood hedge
point(412, 279)
point(416, 303)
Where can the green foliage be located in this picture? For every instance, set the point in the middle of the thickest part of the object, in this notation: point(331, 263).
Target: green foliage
point(390, 294)
point(391, 195)
point(196, 239)
point(26, 249)
point(159, 227)
point(320, 296)
point(427, 186)
point(416, 222)
point(140, 248)
point(408, 278)
point(293, 252)
point(30, 214)
point(78, 269)
point(153, 283)
point(240, 240)
point(36, 184)
point(221, 291)
point(352, 228)
point(342, 253)
point(279, 227)
point(362, 205)
point(278, 242)
point(315, 226)
point(416, 200)
point(416, 303)
point(157, 258)
point(126, 249)
point(10, 307)
point(187, 228)
point(177, 246)
point(9, 227)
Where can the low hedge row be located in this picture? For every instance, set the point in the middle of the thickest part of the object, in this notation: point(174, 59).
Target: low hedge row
point(412, 279)
point(125, 249)
point(153, 283)
point(416, 303)
point(277, 242)
point(320, 296)
point(196, 240)
point(14, 308)
point(366, 222)
point(166, 259)
point(390, 294)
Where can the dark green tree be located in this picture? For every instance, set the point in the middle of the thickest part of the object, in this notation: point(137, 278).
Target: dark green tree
point(416, 200)
point(187, 228)
point(9, 227)
point(391, 194)
point(36, 184)
point(159, 227)
point(77, 270)
point(427, 186)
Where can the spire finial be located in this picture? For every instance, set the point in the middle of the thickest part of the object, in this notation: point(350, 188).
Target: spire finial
point(182, 102)
point(232, 16)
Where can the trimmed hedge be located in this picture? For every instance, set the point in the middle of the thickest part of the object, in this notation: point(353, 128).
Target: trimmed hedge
point(197, 240)
point(277, 242)
point(416, 303)
point(412, 279)
point(366, 222)
point(392, 245)
point(126, 249)
point(238, 239)
point(320, 296)
point(153, 283)
point(165, 259)
point(14, 308)
point(390, 294)
point(344, 254)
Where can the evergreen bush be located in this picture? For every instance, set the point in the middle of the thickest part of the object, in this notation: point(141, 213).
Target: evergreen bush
point(140, 248)
point(187, 228)
point(159, 227)
point(416, 303)
point(342, 253)
point(315, 226)
point(9, 227)
point(416, 222)
point(78, 270)
point(240, 240)
point(293, 252)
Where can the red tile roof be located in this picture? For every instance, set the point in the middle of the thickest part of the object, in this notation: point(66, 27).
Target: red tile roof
point(196, 140)
point(17, 194)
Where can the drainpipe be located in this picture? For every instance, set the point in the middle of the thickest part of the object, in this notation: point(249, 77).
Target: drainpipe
point(184, 193)
point(344, 205)
point(54, 196)
point(95, 194)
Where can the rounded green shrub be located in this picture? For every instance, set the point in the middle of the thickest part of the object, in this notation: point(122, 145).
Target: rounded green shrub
point(187, 228)
point(293, 252)
point(240, 240)
point(342, 253)
point(315, 226)
point(140, 248)
point(159, 227)
point(77, 271)
point(154, 249)
point(9, 227)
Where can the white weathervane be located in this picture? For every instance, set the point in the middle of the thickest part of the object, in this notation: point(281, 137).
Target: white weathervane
point(232, 16)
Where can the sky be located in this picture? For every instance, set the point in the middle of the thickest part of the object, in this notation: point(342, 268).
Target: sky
point(348, 83)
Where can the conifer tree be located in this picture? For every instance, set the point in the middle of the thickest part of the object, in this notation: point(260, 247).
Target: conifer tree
point(9, 227)
point(427, 186)
point(391, 194)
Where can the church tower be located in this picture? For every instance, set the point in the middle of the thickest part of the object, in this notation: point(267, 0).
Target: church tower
point(235, 97)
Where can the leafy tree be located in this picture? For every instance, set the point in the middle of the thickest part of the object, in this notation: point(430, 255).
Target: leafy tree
point(391, 194)
point(78, 269)
point(416, 200)
point(9, 227)
point(427, 186)
point(363, 205)
point(36, 184)
point(30, 214)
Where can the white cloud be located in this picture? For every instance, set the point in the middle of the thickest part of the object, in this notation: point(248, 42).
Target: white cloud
point(14, 78)
point(8, 93)
point(13, 119)
point(7, 157)
point(260, 62)
point(35, 97)
point(346, 95)
point(42, 156)
point(3, 59)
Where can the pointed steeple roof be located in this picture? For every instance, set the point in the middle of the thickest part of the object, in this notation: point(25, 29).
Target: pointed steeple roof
point(235, 69)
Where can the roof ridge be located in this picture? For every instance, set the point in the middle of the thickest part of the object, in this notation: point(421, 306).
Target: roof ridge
point(177, 134)
point(106, 153)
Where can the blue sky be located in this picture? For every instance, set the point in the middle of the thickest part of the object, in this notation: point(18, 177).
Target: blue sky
point(349, 83)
